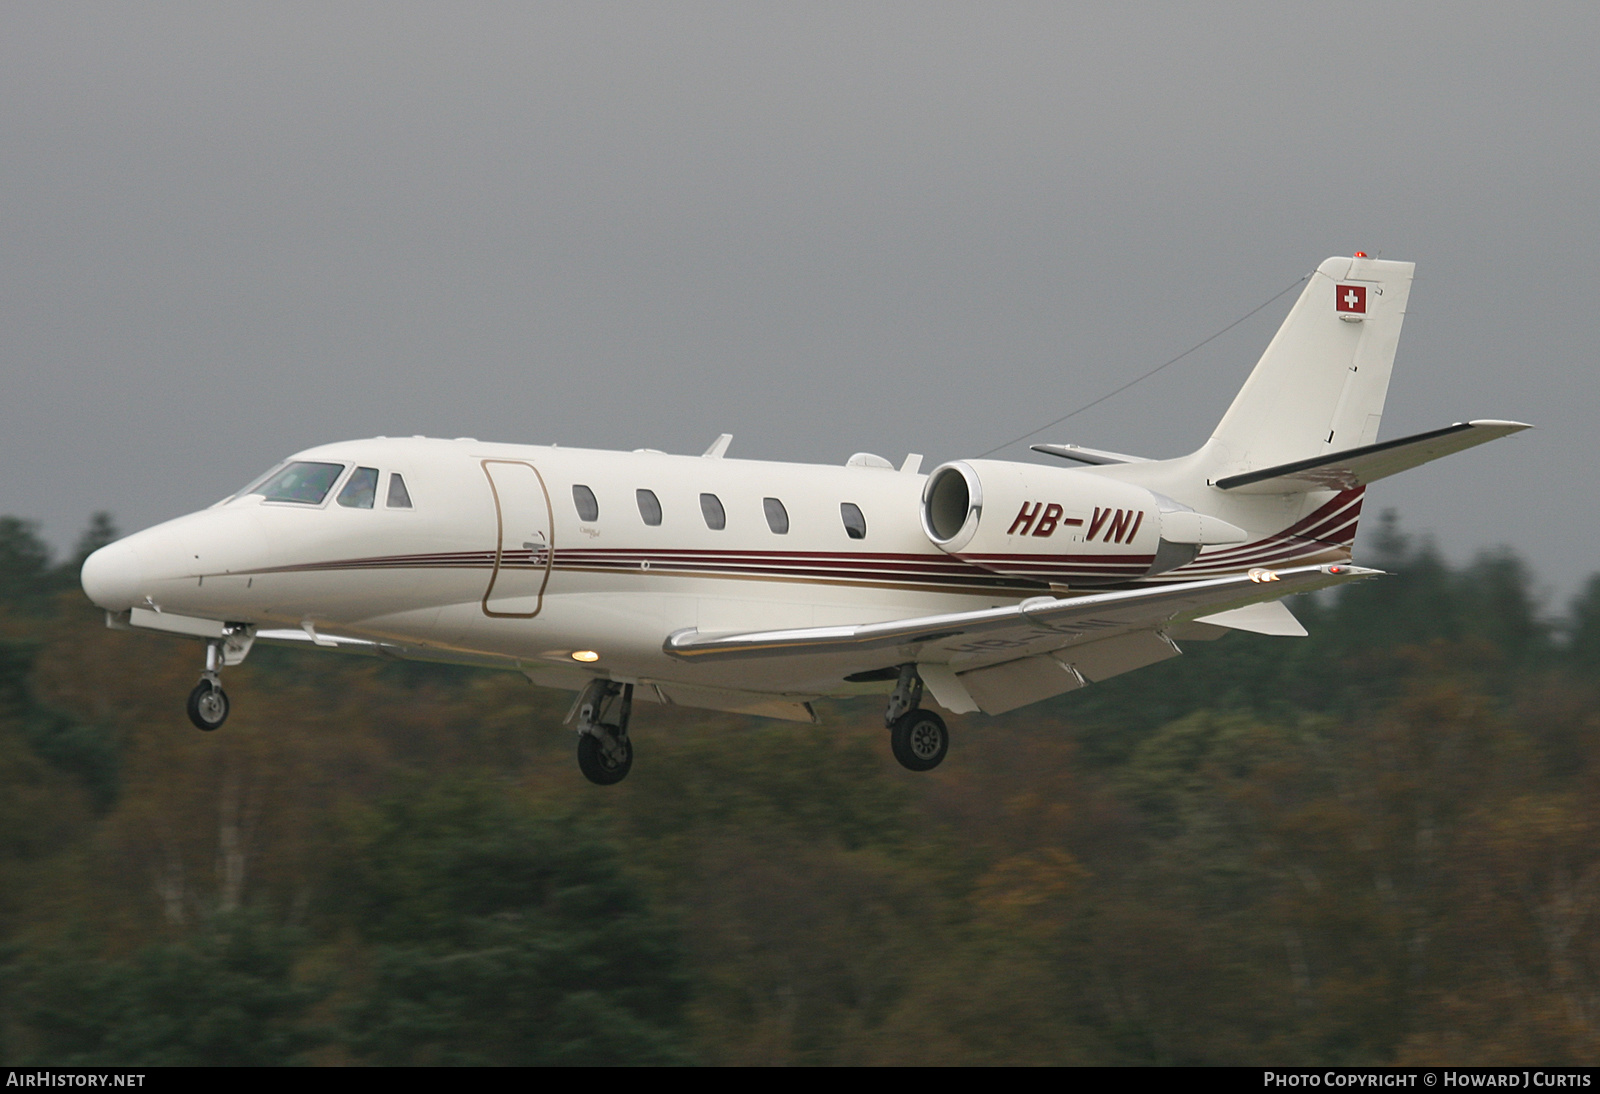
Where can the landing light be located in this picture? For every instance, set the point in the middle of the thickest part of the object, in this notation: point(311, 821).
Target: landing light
point(585, 655)
point(1259, 574)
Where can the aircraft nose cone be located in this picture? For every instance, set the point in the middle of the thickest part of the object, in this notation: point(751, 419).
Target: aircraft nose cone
point(111, 576)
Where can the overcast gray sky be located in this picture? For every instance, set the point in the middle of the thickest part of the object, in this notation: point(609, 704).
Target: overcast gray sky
point(232, 231)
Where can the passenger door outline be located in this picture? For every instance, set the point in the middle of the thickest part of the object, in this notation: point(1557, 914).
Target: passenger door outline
point(518, 557)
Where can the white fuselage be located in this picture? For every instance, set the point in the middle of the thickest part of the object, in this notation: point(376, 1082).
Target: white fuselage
point(493, 561)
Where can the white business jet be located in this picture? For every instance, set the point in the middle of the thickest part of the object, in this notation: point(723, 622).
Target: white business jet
point(758, 587)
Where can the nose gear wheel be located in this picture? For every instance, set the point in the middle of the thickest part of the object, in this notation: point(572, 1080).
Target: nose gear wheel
point(208, 706)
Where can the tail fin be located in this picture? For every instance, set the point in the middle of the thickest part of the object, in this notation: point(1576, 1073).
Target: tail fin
point(1321, 384)
point(1291, 459)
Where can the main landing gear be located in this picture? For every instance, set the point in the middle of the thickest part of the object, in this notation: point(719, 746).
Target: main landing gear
point(605, 754)
point(918, 738)
point(208, 703)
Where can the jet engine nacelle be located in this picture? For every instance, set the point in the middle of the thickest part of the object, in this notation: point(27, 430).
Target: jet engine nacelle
point(1060, 525)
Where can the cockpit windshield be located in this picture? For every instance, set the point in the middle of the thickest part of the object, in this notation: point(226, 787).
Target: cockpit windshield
point(255, 482)
point(301, 481)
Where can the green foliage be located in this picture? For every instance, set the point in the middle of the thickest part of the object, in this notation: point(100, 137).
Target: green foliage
point(80, 748)
point(224, 996)
point(503, 935)
point(24, 563)
point(1583, 648)
point(28, 581)
point(816, 784)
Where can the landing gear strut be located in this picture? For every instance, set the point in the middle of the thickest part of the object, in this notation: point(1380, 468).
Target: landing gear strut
point(605, 754)
point(918, 738)
point(208, 703)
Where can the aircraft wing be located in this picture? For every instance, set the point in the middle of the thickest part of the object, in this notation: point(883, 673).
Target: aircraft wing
point(1038, 624)
point(1358, 466)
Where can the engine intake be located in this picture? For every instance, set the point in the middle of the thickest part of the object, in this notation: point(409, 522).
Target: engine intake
point(952, 506)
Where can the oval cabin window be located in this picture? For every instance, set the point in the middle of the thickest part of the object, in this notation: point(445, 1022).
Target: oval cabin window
point(649, 507)
point(777, 516)
point(711, 509)
point(855, 523)
point(583, 498)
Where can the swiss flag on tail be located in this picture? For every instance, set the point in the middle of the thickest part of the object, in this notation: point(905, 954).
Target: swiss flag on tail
point(1350, 299)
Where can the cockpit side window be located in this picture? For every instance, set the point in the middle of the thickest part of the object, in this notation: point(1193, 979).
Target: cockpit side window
point(398, 496)
point(303, 481)
point(362, 489)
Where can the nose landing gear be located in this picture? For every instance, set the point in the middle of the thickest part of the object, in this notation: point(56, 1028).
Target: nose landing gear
point(208, 703)
point(918, 738)
point(605, 753)
point(208, 706)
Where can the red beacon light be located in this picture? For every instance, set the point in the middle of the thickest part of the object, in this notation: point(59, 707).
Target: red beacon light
point(1361, 254)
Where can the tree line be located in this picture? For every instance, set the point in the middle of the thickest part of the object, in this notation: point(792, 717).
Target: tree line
point(1375, 845)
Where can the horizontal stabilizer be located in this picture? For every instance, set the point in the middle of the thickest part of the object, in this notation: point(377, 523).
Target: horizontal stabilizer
point(1096, 456)
point(1355, 467)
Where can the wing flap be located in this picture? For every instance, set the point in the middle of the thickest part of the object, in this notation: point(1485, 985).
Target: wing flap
point(1123, 653)
point(1359, 466)
point(1000, 688)
point(789, 708)
point(1012, 684)
point(1271, 617)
